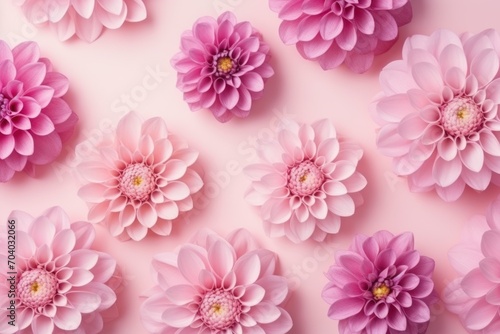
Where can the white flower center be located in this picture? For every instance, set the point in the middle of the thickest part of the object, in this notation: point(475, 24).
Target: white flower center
point(461, 117)
point(36, 288)
point(219, 309)
point(137, 182)
point(305, 178)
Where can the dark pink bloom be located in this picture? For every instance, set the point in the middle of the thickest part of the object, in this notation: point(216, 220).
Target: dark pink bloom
point(341, 31)
point(475, 295)
point(34, 119)
point(438, 112)
point(62, 284)
point(380, 285)
point(222, 66)
point(216, 285)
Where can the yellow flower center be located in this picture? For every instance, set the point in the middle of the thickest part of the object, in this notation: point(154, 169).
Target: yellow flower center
point(380, 291)
point(303, 178)
point(35, 287)
point(217, 309)
point(224, 64)
point(137, 181)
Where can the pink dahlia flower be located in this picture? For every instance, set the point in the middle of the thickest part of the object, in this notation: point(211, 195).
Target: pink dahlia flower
point(34, 119)
point(141, 180)
point(341, 31)
point(475, 295)
point(222, 66)
point(85, 18)
point(306, 182)
point(380, 285)
point(218, 286)
point(438, 112)
point(62, 285)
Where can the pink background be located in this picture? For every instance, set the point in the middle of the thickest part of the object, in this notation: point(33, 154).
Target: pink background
point(102, 73)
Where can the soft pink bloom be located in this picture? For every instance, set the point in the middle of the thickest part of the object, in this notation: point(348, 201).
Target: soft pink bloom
point(141, 180)
point(62, 285)
point(83, 18)
point(222, 66)
point(475, 295)
point(341, 31)
point(214, 285)
point(438, 112)
point(380, 285)
point(34, 119)
point(306, 181)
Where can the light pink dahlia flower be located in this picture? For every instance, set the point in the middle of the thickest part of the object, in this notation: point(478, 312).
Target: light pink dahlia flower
point(83, 18)
point(475, 295)
point(341, 31)
point(380, 285)
point(218, 286)
point(222, 66)
point(306, 182)
point(439, 112)
point(34, 119)
point(62, 285)
point(141, 180)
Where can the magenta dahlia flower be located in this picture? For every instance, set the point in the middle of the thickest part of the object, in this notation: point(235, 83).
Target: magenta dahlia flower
point(380, 285)
point(341, 31)
point(141, 180)
point(475, 295)
point(83, 18)
point(438, 112)
point(34, 119)
point(306, 182)
point(62, 285)
point(218, 286)
point(222, 66)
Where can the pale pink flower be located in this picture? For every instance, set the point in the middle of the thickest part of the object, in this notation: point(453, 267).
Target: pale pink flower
point(34, 119)
point(307, 180)
point(83, 18)
point(222, 66)
point(141, 180)
point(214, 285)
point(438, 112)
point(475, 295)
point(381, 285)
point(334, 32)
point(62, 285)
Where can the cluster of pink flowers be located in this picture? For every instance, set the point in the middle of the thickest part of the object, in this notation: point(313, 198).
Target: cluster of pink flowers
point(438, 119)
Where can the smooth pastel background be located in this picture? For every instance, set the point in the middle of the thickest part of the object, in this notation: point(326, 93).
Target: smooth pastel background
point(113, 75)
